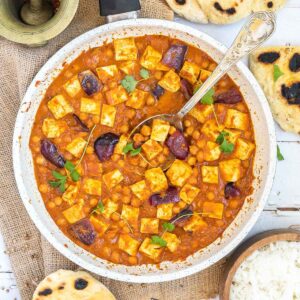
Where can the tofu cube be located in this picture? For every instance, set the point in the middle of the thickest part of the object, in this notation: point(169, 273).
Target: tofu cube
point(179, 172)
point(149, 225)
point(201, 112)
point(151, 149)
point(109, 208)
point(108, 115)
point(231, 170)
point(137, 99)
point(121, 144)
point(100, 224)
point(211, 151)
point(76, 146)
point(152, 251)
point(195, 223)
point(72, 86)
point(233, 135)
point(211, 129)
point(125, 49)
point(53, 128)
point(128, 244)
point(243, 149)
point(59, 106)
point(170, 81)
point(70, 194)
point(188, 193)
point(150, 58)
point(130, 213)
point(236, 119)
point(213, 210)
point(112, 178)
point(172, 241)
point(140, 190)
point(210, 174)
point(108, 73)
point(74, 213)
point(92, 186)
point(90, 106)
point(128, 67)
point(156, 179)
point(94, 168)
point(190, 71)
point(116, 96)
point(204, 74)
point(160, 130)
point(164, 211)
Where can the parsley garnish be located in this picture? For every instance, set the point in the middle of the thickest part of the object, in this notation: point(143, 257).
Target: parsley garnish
point(225, 146)
point(144, 73)
point(277, 72)
point(168, 226)
point(60, 182)
point(129, 83)
point(279, 154)
point(208, 97)
point(157, 240)
point(73, 172)
point(99, 208)
point(129, 148)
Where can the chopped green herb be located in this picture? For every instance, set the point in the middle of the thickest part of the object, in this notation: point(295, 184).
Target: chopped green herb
point(168, 226)
point(129, 83)
point(99, 208)
point(60, 182)
point(157, 240)
point(225, 146)
point(279, 154)
point(221, 137)
point(144, 73)
point(73, 172)
point(197, 87)
point(135, 151)
point(129, 148)
point(208, 97)
point(277, 72)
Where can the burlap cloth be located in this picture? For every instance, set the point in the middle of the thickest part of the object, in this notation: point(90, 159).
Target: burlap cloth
point(32, 257)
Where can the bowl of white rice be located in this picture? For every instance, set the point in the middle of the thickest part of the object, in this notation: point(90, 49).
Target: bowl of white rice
point(266, 267)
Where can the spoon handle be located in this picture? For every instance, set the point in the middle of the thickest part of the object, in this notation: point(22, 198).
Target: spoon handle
point(257, 30)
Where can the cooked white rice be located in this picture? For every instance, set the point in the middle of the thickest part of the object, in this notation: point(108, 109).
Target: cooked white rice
point(272, 272)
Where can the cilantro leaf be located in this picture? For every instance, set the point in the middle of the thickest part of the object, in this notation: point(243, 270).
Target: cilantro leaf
point(197, 87)
point(279, 154)
point(99, 208)
point(58, 175)
point(157, 240)
point(221, 137)
point(277, 72)
point(69, 166)
point(75, 175)
point(144, 73)
point(53, 183)
point(128, 148)
point(73, 172)
point(129, 83)
point(168, 226)
point(60, 182)
point(135, 151)
point(226, 147)
point(208, 97)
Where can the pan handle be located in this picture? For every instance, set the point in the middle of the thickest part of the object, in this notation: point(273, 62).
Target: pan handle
point(115, 10)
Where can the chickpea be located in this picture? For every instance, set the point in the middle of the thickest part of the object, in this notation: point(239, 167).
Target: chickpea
point(150, 100)
point(43, 188)
point(192, 180)
point(196, 135)
point(187, 123)
point(172, 129)
point(200, 156)
point(227, 214)
point(124, 128)
point(40, 160)
point(210, 196)
point(36, 139)
point(115, 157)
point(190, 130)
point(58, 201)
point(138, 138)
point(89, 150)
point(115, 217)
point(158, 75)
point(86, 209)
point(106, 251)
point(194, 150)
point(130, 113)
point(146, 130)
point(115, 257)
point(233, 204)
point(93, 202)
point(121, 163)
point(201, 143)
point(61, 221)
point(51, 204)
point(192, 160)
point(109, 53)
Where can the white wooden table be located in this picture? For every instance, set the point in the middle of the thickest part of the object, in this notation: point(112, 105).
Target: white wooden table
point(285, 192)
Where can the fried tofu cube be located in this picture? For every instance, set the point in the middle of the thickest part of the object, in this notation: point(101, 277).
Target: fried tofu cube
point(90, 106)
point(72, 86)
point(195, 223)
point(150, 58)
point(152, 251)
point(243, 149)
point(108, 73)
point(170, 81)
point(128, 244)
point(231, 170)
point(100, 224)
point(212, 151)
point(211, 129)
point(190, 71)
point(59, 106)
point(109, 208)
point(76, 146)
point(112, 178)
point(188, 193)
point(151, 149)
point(149, 225)
point(137, 99)
point(53, 128)
point(164, 211)
point(140, 190)
point(201, 112)
point(204, 74)
point(156, 179)
point(94, 168)
point(92, 186)
point(121, 144)
point(74, 213)
point(172, 241)
point(213, 210)
point(130, 213)
point(233, 135)
point(210, 174)
point(116, 96)
point(160, 130)
point(236, 119)
point(108, 115)
point(128, 67)
point(70, 194)
point(179, 172)
point(125, 49)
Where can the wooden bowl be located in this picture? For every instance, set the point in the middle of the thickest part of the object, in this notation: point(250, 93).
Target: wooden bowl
point(246, 249)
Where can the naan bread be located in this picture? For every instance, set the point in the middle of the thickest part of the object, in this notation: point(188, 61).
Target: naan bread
point(69, 285)
point(273, 5)
point(284, 94)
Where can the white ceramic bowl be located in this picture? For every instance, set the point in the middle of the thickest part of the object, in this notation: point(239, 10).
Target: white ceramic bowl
point(264, 166)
